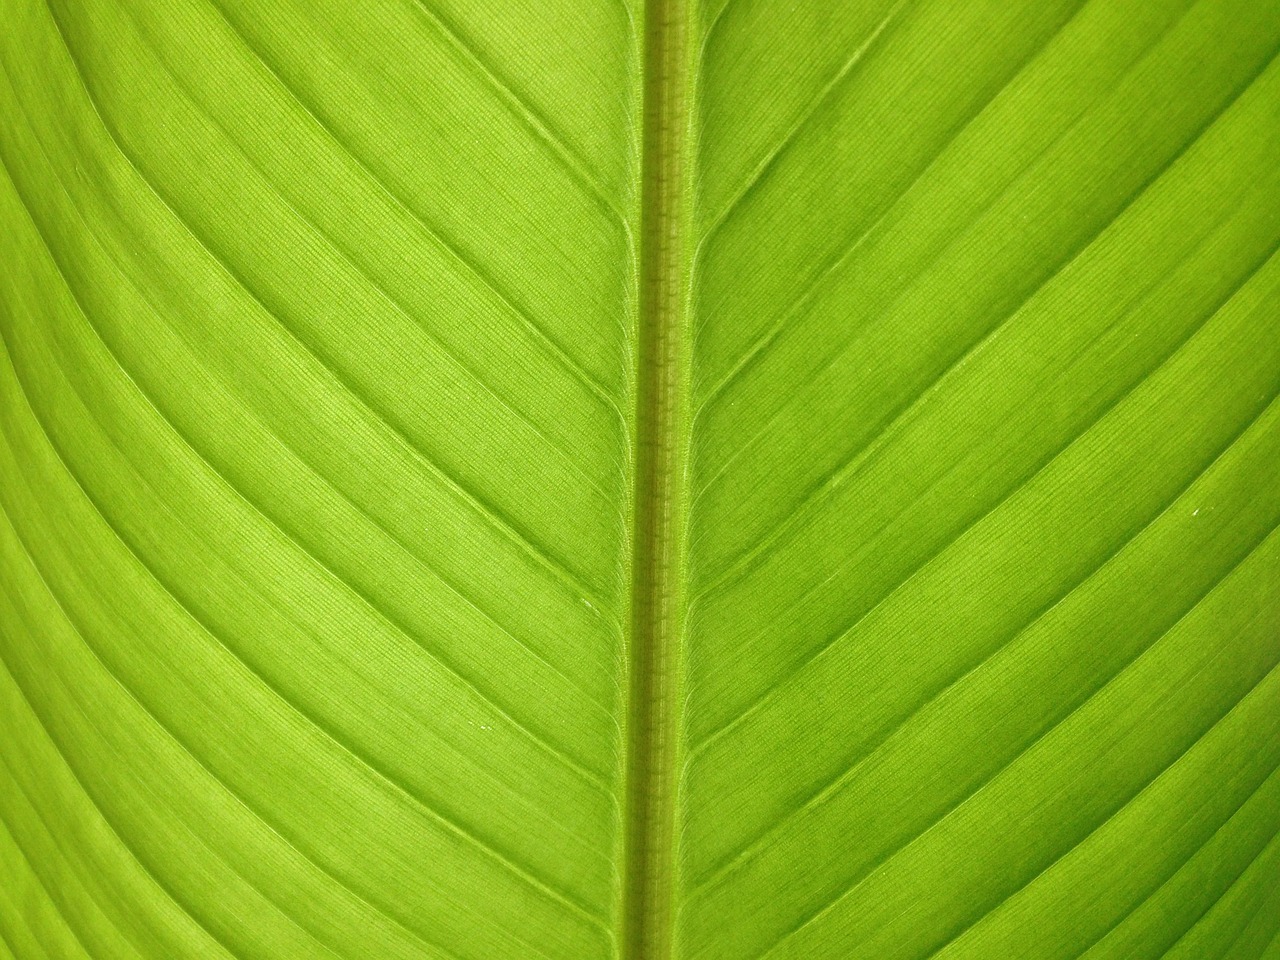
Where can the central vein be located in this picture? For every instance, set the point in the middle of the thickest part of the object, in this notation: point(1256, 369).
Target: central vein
point(661, 482)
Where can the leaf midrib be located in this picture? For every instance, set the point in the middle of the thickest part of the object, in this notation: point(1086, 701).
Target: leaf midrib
point(660, 493)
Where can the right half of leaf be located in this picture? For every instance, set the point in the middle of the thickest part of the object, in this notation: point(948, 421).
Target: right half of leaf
point(984, 612)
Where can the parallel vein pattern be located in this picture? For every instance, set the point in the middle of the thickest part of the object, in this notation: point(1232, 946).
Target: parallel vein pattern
point(315, 505)
point(983, 616)
point(691, 480)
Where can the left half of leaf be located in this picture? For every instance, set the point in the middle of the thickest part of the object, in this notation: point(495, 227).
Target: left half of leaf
point(315, 438)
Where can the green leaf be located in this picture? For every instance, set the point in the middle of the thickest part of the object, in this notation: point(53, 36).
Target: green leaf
point(712, 479)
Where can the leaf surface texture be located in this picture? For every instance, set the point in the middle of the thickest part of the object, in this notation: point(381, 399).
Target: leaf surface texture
point(723, 479)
